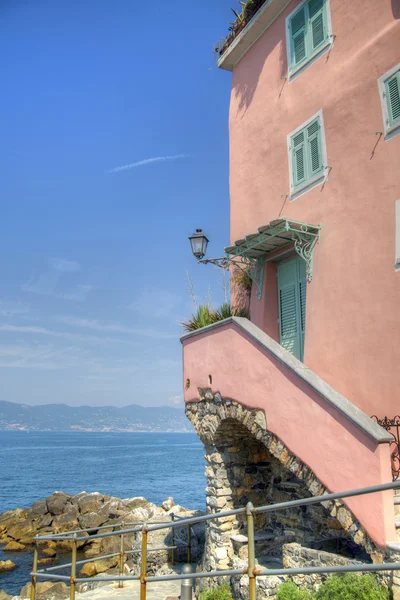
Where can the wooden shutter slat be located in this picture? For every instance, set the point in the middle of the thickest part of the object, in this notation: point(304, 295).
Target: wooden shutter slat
point(393, 94)
point(315, 6)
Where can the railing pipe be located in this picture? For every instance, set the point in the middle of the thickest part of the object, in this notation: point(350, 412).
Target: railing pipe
point(251, 551)
point(196, 575)
point(189, 545)
point(143, 565)
point(360, 568)
point(172, 540)
point(335, 496)
point(73, 569)
point(78, 562)
point(121, 559)
point(51, 577)
point(34, 569)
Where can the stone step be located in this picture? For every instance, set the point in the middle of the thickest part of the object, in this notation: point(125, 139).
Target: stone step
point(395, 546)
point(258, 537)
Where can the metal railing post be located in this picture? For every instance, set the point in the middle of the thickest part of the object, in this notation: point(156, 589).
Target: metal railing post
point(34, 570)
point(252, 551)
point(144, 565)
point(186, 584)
point(189, 548)
point(172, 541)
point(73, 568)
point(121, 558)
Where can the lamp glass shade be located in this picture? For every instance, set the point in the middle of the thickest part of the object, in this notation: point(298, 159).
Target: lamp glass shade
point(199, 242)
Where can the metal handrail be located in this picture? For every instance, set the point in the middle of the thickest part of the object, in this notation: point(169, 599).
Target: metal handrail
point(146, 527)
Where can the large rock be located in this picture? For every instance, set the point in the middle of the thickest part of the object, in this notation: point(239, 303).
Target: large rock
point(4, 595)
point(44, 521)
point(39, 507)
point(57, 502)
point(7, 565)
point(168, 504)
point(14, 547)
point(24, 530)
point(11, 517)
point(90, 503)
point(98, 566)
point(68, 521)
point(46, 590)
point(91, 520)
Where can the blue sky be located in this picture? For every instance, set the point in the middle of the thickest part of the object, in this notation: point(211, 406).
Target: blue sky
point(94, 257)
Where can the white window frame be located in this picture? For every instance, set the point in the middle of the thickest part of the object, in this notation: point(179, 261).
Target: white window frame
point(318, 179)
point(389, 130)
point(293, 73)
point(397, 248)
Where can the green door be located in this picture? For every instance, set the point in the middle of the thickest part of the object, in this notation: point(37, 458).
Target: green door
point(292, 305)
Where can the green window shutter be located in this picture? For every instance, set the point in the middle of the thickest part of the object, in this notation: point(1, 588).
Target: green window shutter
point(306, 150)
point(392, 86)
point(289, 313)
point(301, 266)
point(314, 148)
point(298, 37)
point(317, 23)
point(299, 159)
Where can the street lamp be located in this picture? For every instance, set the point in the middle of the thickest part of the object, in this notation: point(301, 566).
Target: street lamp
point(199, 242)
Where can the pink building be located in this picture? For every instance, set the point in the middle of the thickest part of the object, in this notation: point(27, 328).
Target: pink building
point(314, 126)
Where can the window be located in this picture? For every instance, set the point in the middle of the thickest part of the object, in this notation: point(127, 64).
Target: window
point(307, 155)
point(308, 33)
point(292, 289)
point(389, 89)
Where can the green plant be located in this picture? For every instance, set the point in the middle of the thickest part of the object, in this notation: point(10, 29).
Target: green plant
point(205, 315)
point(222, 592)
point(242, 279)
point(290, 591)
point(352, 587)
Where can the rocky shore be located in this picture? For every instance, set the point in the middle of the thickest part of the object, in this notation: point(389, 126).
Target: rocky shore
point(62, 512)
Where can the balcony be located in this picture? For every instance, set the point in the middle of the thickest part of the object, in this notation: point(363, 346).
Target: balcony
point(256, 17)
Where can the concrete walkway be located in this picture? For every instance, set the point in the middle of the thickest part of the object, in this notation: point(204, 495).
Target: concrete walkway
point(131, 591)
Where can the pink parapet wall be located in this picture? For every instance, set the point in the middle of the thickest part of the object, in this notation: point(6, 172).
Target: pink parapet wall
point(341, 454)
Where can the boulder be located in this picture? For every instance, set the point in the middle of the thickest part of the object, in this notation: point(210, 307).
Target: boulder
point(7, 565)
point(90, 503)
point(44, 521)
point(98, 566)
point(48, 561)
point(39, 507)
point(46, 590)
point(88, 570)
point(91, 520)
point(75, 499)
point(57, 502)
point(14, 547)
point(25, 530)
point(168, 504)
point(11, 517)
point(132, 503)
point(48, 551)
point(111, 510)
point(4, 595)
point(68, 521)
point(67, 544)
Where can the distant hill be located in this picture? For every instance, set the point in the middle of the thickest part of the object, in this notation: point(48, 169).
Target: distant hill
point(61, 417)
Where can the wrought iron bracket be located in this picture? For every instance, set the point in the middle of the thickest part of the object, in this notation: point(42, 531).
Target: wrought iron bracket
point(304, 243)
point(254, 267)
point(393, 427)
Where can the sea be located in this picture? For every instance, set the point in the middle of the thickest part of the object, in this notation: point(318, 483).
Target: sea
point(155, 465)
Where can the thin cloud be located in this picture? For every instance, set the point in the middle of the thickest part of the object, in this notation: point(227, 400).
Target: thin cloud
point(114, 327)
point(147, 161)
point(76, 337)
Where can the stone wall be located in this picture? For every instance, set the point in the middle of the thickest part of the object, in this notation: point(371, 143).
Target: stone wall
point(247, 463)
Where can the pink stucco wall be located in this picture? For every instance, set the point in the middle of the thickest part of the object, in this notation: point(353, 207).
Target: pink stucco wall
point(338, 452)
point(353, 316)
